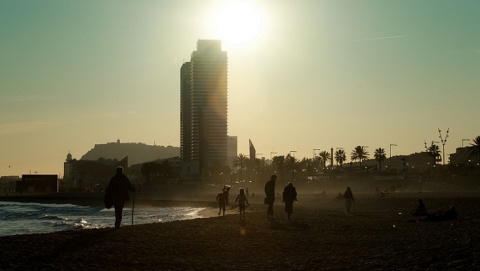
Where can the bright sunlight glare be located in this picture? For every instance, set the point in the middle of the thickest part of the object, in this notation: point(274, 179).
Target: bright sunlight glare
point(237, 23)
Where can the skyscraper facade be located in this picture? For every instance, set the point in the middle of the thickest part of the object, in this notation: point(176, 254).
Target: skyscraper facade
point(186, 112)
point(204, 108)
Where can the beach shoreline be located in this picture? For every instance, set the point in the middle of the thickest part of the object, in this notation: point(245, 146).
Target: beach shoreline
point(379, 234)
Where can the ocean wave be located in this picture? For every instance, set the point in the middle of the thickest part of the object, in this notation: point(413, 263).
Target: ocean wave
point(23, 218)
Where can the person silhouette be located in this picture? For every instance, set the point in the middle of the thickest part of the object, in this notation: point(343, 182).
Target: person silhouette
point(242, 200)
point(270, 195)
point(222, 199)
point(289, 196)
point(349, 200)
point(421, 210)
point(118, 188)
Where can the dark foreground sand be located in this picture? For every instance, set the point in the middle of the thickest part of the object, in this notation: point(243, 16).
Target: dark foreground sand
point(378, 235)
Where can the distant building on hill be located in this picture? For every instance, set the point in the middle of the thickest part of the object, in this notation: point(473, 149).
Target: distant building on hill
point(89, 175)
point(136, 152)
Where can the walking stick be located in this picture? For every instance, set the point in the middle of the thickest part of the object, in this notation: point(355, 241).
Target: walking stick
point(133, 206)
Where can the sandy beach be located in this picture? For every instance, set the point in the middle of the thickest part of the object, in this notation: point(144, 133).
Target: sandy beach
point(379, 234)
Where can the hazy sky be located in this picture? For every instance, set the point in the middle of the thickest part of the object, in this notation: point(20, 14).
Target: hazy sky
point(303, 75)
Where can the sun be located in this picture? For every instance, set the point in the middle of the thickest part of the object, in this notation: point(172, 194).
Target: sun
point(237, 23)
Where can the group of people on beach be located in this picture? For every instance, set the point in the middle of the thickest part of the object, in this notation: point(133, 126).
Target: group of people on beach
point(434, 215)
point(289, 196)
point(241, 199)
point(117, 194)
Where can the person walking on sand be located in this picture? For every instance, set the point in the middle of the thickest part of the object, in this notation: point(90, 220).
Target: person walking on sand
point(226, 189)
point(348, 195)
point(222, 199)
point(289, 196)
point(270, 195)
point(118, 188)
point(242, 200)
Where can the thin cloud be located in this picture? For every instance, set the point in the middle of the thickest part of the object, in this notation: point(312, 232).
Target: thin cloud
point(24, 127)
point(24, 98)
point(382, 38)
point(110, 115)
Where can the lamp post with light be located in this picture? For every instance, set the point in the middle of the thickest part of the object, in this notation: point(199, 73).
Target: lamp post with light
point(292, 157)
point(444, 141)
point(394, 145)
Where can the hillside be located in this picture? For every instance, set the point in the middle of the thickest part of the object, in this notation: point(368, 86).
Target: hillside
point(136, 152)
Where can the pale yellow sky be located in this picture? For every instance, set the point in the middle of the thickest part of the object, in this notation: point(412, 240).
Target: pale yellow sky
point(307, 75)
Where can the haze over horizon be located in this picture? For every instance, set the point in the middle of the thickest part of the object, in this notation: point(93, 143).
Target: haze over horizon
point(303, 75)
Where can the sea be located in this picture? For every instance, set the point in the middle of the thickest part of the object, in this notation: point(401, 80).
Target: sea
point(28, 218)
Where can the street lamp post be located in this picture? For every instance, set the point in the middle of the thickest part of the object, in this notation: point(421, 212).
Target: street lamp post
point(444, 141)
point(394, 145)
point(293, 162)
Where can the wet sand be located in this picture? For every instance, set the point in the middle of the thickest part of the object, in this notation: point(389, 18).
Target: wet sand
point(379, 234)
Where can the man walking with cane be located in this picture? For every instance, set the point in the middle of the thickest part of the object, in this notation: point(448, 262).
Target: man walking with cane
point(118, 189)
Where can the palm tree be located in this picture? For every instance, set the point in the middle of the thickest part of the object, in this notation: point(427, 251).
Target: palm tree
point(474, 148)
point(359, 153)
point(340, 157)
point(241, 161)
point(325, 156)
point(380, 156)
point(434, 151)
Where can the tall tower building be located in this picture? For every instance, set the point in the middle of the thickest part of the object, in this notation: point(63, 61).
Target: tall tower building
point(186, 112)
point(204, 112)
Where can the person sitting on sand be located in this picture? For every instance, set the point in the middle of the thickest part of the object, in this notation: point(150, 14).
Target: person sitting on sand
point(450, 214)
point(421, 210)
point(242, 200)
point(222, 199)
